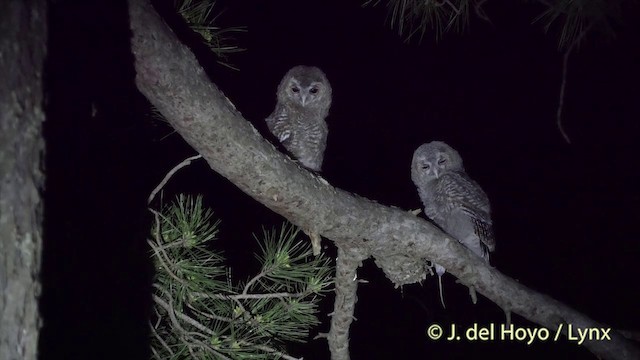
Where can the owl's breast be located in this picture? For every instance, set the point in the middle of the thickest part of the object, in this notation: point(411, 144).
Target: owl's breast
point(427, 195)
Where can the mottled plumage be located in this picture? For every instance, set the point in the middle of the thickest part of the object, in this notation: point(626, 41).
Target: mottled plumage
point(298, 121)
point(451, 199)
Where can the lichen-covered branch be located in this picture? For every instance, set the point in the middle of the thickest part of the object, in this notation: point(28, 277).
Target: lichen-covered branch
point(346, 285)
point(171, 78)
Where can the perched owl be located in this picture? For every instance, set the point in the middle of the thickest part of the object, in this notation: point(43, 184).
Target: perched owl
point(452, 200)
point(304, 98)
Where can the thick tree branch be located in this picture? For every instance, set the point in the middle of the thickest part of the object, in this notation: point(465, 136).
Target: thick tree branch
point(169, 76)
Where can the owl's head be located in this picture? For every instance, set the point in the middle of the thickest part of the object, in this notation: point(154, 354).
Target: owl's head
point(432, 160)
point(305, 86)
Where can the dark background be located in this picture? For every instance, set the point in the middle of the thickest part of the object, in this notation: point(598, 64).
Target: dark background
point(566, 216)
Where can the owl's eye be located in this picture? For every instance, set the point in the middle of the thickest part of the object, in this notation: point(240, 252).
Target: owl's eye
point(295, 89)
point(313, 90)
point(426, 167)
point(442, 161)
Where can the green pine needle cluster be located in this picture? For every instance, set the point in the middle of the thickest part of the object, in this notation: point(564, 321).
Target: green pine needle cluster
point(415, 17)
point(200, 313)
point(198, 14)
point(576, 17)
point(573, 17)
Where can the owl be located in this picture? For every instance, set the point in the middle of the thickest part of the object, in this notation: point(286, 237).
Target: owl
point(298, 121)
point(452, 200)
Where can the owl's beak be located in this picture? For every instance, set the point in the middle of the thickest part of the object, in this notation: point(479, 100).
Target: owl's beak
point(436, 172)
point(304, 100)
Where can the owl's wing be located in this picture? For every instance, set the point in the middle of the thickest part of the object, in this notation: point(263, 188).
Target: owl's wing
point(278, 124)
point(466, 196)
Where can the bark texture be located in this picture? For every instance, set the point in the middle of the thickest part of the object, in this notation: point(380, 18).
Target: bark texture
point(169, 76)
point(346, 286)
point(23, 36)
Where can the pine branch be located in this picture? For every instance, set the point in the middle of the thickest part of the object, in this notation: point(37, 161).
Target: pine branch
point(185, 162)
point(563, 84)
point(412, 17)
point(201, 314)
point(198, 14)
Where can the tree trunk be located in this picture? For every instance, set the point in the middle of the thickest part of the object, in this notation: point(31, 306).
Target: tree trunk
point(23, 36)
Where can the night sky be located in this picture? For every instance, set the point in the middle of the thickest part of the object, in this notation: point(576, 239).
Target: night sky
point(565, 216)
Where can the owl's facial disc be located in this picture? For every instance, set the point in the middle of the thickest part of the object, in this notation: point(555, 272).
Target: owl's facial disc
point(441, 164)
point(310, 94)
point(436, 171)
point(429, 170)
